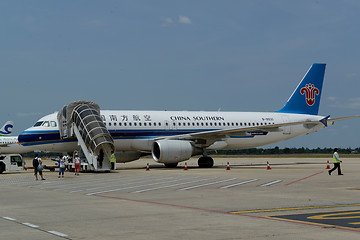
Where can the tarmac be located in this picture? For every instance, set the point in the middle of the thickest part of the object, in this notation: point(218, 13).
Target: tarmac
point(295, 199)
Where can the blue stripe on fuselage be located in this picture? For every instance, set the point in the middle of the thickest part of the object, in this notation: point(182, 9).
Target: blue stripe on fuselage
point(29, 138)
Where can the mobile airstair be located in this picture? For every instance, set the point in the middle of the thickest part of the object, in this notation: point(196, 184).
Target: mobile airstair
point(82, 120)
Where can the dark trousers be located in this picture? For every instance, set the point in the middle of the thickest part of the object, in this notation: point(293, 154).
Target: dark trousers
point(336, 166)
point(112, 166)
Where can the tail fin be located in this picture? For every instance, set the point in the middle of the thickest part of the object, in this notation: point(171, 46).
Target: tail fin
point(306, 97)
point(6, 129)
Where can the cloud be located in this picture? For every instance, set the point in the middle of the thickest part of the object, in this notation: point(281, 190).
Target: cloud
point(185, 20)
point(352, 75)
point(28, 114)
point(354, 103)
point(351, 103)
point(167, 21)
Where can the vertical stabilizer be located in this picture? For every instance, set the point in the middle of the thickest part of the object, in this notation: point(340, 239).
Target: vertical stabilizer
point(306, 97)
point(7, 129)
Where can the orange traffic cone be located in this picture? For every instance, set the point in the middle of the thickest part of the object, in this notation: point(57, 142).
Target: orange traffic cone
point(147, 167)
point(268, 166)
point(227, 166)
point(328, 165)
point(185, 168)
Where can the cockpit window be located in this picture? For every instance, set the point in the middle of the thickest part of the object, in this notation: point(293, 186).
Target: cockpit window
point(53, 123)
point(46, 124)
point(38, 124)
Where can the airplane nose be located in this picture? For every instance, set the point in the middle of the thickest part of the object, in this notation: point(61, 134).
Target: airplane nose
point(24, 138)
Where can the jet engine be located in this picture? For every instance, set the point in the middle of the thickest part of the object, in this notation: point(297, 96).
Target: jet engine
point(172, 151)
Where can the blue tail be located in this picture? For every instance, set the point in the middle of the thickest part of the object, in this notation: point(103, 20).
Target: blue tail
point(306, 97)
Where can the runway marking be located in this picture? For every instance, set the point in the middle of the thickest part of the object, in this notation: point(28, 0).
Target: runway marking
point(338, 219)
point(57, 233)
point(84, 182)
point(206, 184)
point(144, 185)
point(145, 180)
point(37, 228)
point(173, 185)
point(296, 208)
point(240, 183)
point(270, 183)
point(30, 225)
point(303, 178)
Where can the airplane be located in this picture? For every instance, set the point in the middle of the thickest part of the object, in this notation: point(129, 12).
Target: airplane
point(7, 128)
point(175, 136)
point(10, 144)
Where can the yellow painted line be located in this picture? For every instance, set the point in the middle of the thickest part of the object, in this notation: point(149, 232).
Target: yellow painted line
point(295, 208)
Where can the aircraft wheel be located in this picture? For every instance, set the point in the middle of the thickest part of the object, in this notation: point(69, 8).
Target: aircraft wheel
point(2, 167)
point(205, 162)
point(171, 165)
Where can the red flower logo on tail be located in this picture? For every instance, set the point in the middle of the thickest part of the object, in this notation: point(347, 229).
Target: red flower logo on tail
point(309, 90)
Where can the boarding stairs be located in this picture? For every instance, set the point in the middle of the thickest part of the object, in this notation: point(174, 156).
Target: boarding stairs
point(82, 120)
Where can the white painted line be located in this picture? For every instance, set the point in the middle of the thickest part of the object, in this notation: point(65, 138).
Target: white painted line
point(30, 225)
point(207, 184)
point(118, 185)
point(144, 185)
point(173, 185)
point(9, 218)
point(57, 233)
point(240, 183)
point(270, 183)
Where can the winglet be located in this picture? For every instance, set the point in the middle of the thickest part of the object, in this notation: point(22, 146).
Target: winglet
point(325, 121)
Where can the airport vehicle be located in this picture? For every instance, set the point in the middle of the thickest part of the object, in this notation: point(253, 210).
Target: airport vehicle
point(6, 129)
point(175, 136)
point(11, 162)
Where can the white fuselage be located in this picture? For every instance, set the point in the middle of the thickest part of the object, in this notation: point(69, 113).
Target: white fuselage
point(137, 130)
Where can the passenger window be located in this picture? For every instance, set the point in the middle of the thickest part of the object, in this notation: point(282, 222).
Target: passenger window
point(130, 124)
point(154, 123)
point(120, 124)
point(159, 124)
point(135, 124)
point(140, 124)
point(240, 124)
point(110, 124)
point(124, 124)
point(149, 123)
point(114, 123)
point(145, 124)
point(236, 124)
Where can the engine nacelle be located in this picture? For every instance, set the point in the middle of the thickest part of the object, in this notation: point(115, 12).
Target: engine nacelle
point(172, 151)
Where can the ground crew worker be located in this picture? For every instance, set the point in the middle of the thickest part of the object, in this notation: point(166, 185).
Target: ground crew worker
point(112, 160)
point(337, 162)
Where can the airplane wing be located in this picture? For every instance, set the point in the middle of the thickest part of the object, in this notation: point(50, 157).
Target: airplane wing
point(333, 120)
point(215, 135)
point(218, 134)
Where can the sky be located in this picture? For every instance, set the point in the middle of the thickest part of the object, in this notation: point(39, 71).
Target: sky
point(241, 55)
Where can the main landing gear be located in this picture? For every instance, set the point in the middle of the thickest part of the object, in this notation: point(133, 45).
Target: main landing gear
point(205, 162)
